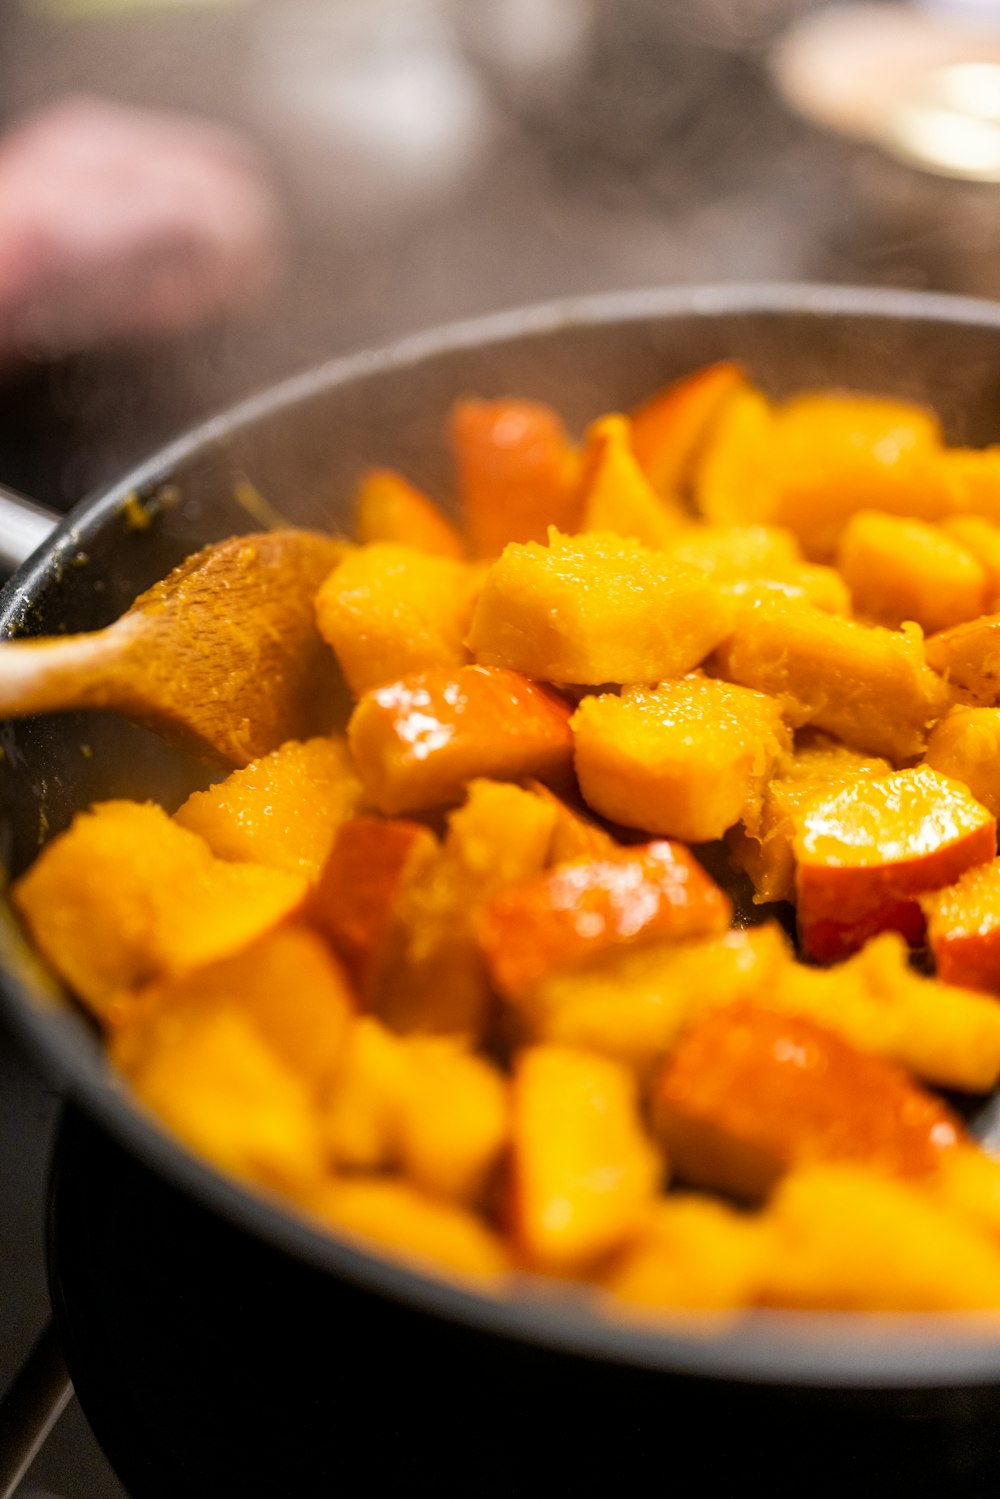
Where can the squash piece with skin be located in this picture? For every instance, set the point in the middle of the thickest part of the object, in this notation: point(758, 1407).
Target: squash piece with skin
point(125, 896)
point(583, 1171)
point(870, 687)
point(282, 810)
point(390, 609)
point(615, 494)
point(576, 911)
point(670, 429)
point(963, 928)
point(516, 470)
point(748, 1093)
point(902, 569)
point(434, 978)
point(389, 508)
point(596, 609)
point(865, 853)
point(357, 899)
point(416, 742)
point(684, 760)
point(816, 769)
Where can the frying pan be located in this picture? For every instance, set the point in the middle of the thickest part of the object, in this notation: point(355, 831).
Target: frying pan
point(220, 1345)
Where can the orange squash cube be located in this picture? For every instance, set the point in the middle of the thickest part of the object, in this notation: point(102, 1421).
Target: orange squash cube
point(517, 473)
point(900, 569)
point(974, 475)
point(576, 911)
point(868, 686)
point(418, 741)
point(965, 746)
point(616, 496)
point(388, 610)
point(596, 609)
point(685, 760)
point(865, 853)
point(749, 1093)
point(357, 899)
point(389, 508)
point(574, 835)
point(282, 810)
point(125, 896)
point(963, 928)
point(694, 1254)
point(583, 1172)
point(843, 1238)
point(671, 428)
point(968, 657)
point(432, 1236)
point(982, 538)
point(287, 985)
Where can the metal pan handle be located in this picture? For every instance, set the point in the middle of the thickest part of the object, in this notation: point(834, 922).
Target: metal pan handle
point(23, 527)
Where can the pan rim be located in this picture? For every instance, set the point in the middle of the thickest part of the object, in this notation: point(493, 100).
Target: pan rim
point(825, 1350)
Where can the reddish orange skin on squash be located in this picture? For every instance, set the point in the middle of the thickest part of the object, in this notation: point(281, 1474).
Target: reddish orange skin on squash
point(417, 741)
point(963, 925)
point(586, 906)
point(749, 1093)
point(517, 473)
point(865, 854)
point(669, 429)
point(352, 904)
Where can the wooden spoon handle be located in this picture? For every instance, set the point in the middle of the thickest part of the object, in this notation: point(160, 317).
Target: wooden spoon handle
point(71, 671)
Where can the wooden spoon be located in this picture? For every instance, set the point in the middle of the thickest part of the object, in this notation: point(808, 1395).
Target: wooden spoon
point(221, 658)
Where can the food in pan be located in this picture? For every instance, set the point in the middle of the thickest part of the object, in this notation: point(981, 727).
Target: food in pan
point(641, 926)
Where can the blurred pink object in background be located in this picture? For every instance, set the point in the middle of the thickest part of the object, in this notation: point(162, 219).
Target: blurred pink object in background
point(118, 223)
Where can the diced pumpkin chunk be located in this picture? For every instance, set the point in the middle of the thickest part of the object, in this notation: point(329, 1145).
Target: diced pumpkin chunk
point(865, 853)
point(357, 900)
point(389, 508)
point(633, 1003)
point(686, 759)
point(816, 459)
point(578, 910)
point(231, 1098)
point(282, 810)
point(417, 741)
point(982, 538)
point(671, 428)
point(517, 473)
point(616, 496)
point(963, 928)
point(596, 609)
point(125, 896)
point(749, 1093)
point(695, 1253)
point(389, 609)
point(847, 1239)
point(287, 985)
point(968, 657)
point(950, 1036)
point(868, 686)
point(574, 835)
point(974, 476)
point(817, 769)
point(901, 569)
point(965, 746)
point(424, 1105)
point(432, 1235)
point(583, 1172)
point(751, 561)
point(435, 978)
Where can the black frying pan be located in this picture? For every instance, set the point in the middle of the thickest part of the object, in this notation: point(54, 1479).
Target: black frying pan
point(218, 1344)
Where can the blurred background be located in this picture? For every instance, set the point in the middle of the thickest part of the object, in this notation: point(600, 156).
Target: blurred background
point(198, 197)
